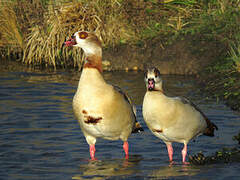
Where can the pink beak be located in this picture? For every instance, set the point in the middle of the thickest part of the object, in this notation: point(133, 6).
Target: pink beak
point(151, 84)
point(70, 42)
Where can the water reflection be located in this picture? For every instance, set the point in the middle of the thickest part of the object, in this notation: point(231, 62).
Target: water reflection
point(101, 169)
point(172, 171)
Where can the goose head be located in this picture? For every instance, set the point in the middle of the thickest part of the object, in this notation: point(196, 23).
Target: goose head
point(88, 41)
point(153, 79)
point(91, 46)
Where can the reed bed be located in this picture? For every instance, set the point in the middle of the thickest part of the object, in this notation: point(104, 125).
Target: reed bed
point(10, 34)
point(105, 18)
point(36, 29)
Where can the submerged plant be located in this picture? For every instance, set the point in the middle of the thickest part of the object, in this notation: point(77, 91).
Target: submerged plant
point(226, 155)
point(237, 138)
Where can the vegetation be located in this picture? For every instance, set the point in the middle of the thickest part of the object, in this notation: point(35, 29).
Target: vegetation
point(39, 28)
point(234, 54)
point(33, 31)
point(237, 138)
point(226, 155)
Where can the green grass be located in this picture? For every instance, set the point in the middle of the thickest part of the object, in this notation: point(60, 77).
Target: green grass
point(234, 54)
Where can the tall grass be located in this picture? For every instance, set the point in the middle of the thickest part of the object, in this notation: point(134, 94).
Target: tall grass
point(10, 32)
point(105, 18)
point(234, 53)
point(16, 17)
point(38, 28)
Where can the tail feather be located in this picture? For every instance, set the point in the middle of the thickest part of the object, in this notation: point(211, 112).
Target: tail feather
point(209, 131)
point(137, 128)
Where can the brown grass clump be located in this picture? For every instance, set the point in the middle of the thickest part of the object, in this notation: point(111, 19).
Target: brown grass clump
point(16, 17)
point(105, 18)
point(10, 33)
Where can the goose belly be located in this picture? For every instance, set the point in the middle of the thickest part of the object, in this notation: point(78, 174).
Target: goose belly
point(170, 121)
point(101, 115)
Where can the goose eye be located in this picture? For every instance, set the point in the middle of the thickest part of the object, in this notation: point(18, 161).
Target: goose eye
point(83, 35)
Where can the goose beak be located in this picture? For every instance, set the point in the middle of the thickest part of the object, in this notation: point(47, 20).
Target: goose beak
point(70, 42)
point(151, 84)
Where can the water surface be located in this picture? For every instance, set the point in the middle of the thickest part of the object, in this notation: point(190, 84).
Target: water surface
point(41, 139)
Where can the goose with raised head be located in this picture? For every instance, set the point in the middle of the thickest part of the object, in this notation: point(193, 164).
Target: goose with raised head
point(172, 119)
point(102, 110)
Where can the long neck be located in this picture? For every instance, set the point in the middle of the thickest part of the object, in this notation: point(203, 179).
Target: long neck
point(94, 61)
point(90, 78)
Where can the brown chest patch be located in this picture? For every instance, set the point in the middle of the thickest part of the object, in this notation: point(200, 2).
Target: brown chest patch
point(84, 111)
point(157, 130)
point(92, 120)
point(90, 65)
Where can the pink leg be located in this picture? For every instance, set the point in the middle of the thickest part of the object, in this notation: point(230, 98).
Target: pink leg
point(125, 147)
point(170, 151)
point(92, 151)
point(184, 154)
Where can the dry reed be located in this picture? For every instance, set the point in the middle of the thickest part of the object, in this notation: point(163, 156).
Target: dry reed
point(38, 28)
point(10, 33)
point(105, 18)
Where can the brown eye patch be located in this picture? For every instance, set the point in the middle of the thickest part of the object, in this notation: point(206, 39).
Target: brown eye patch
point(156, 72)
point(83, 35)
point(145, 74)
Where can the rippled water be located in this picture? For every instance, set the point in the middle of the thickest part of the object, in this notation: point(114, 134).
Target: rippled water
point(40, 139)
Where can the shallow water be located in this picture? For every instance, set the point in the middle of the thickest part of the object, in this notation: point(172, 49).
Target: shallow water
point(40, 139)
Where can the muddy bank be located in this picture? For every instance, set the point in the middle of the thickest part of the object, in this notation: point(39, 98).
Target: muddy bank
point(189, 56)
point(184, 57)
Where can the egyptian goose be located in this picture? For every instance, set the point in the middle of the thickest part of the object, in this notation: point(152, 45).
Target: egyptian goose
point(172, 119)
point(102, 110)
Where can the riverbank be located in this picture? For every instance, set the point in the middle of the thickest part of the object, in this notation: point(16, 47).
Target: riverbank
point(207, 60)
point(189, 55)
point(33, 31)
point(188, 38)
point(222, 81)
